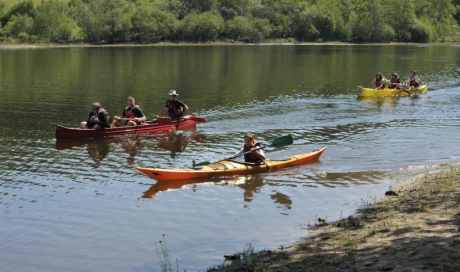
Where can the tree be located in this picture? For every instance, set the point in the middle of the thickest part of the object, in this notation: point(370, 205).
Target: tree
point(21, 8)
point(54, 23)
point(150, 24)
point(202, 27)
point(20, 23)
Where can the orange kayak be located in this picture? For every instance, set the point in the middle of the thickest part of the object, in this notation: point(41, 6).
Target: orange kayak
point(230, 168)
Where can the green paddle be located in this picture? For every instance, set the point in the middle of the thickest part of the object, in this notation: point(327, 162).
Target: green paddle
point(277, 143)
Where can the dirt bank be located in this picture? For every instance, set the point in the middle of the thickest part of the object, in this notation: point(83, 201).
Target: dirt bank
point(417, 230)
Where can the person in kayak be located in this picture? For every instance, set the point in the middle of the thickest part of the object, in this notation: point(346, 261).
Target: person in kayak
point(413, 83)
point(98, 118)
point(395, 81)
point(256, 154)
point(379, 81)
point(132, 112)
point(175, 108)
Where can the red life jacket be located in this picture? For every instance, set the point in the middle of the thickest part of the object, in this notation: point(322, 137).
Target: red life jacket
point(394, 81)
point(378, 82)
point(413, 81)
point(129, 111)
point(252, 157)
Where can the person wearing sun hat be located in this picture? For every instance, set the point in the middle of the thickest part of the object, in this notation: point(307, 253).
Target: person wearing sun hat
point(175, 108)
point(98, 118)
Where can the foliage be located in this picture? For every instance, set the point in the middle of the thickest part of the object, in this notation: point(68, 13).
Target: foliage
point(54, 23)
point(20, 23)
point(151, 21)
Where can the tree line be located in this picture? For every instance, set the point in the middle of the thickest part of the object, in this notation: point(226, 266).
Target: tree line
point(254, 21)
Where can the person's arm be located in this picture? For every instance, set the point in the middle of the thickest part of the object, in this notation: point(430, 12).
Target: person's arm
point(239, 153)
point(184, 107)
point(139, 114)
point(90, 120)
point(104, 120)
point(161, 113)
point(260, 153)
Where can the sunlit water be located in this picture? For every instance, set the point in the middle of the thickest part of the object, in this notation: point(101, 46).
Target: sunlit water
point(82, 206)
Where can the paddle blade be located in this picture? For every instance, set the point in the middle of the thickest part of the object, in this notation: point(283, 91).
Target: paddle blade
point(198, 119)
point(164, 121)
point(203, 163)
point(282, 141)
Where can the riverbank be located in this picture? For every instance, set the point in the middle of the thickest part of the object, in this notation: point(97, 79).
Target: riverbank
point(6, 46)
point(415, 228)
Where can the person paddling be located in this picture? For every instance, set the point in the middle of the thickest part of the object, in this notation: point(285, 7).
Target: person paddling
point(395, 81)
point(175, 108)
point(132, 112)
point(98, 118)
point(379, 81)
point(256, 154)
point(414, 82)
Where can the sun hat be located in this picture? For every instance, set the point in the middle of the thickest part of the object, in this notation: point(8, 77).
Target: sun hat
point(96, 105)
point(173, 92)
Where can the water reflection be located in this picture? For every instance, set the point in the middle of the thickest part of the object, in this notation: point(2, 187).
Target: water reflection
point(251, 186)
point(174, 141)
point(97, 149)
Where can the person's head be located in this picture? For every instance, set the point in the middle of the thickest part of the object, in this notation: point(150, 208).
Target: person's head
point(131, 101)
point(96, 106)
point(172, 95)
point(413, 73)
point(395, 75)
point(249, 139)
point(379, 75)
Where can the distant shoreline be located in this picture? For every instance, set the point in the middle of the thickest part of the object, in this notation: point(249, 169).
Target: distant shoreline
point(7, 46)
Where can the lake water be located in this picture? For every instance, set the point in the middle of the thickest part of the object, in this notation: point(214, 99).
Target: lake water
point(82, 206)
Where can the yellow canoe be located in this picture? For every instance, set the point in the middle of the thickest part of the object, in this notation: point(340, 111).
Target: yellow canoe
point(366, 92)
point(230, 168)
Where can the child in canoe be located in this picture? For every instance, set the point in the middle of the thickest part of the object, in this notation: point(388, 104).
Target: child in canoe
point(413, 83)
point(253, 149)
point(379, 81)
point(395, 82)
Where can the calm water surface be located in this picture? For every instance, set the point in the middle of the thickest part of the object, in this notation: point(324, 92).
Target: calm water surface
point(82, 206)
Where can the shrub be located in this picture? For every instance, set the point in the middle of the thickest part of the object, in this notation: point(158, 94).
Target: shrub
point(23, 37)
point(420, 33)
point(20, 23)
point(152, 25)
point(203, 27)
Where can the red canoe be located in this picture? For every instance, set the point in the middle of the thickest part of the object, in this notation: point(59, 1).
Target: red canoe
point(160, 125)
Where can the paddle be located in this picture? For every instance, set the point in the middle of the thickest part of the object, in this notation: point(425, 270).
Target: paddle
point(159, 120)
point(277, 143)
point(198, 119)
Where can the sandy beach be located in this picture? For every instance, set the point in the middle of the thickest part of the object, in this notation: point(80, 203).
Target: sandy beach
point(415, 228)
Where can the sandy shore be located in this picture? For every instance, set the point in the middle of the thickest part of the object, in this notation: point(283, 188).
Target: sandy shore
point(416, 230)
point(13, 46)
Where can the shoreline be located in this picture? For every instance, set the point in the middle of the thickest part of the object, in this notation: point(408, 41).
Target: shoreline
point(416, 227)
point(12, 46)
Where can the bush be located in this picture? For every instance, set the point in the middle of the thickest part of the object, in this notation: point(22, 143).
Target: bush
point(153, 25)
point(104, 20)
point(203, 27)
point(54, 23)
point(20, 23)
point(21, 8)
point(420, 33)
point(23, 37)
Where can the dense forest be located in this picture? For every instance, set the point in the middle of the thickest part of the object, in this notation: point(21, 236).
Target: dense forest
point(152, 21)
